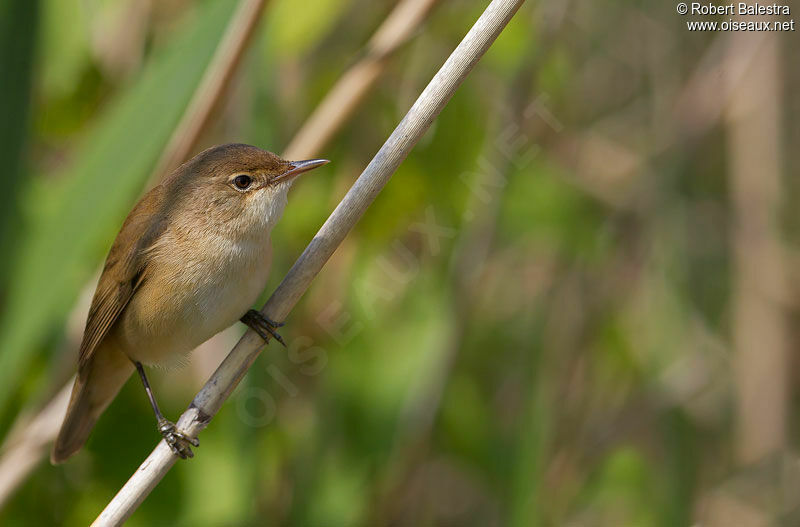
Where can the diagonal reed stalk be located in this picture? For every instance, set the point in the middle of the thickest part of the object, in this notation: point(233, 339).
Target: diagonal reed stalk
point(416, 122)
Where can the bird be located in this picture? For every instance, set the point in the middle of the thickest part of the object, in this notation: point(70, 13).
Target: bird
point(190, 260)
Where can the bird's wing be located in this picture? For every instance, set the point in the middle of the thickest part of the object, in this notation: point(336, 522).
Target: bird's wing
point(124, 271)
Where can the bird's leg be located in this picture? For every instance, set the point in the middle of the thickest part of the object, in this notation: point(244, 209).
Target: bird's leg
point(258, 322)
point(177, 440)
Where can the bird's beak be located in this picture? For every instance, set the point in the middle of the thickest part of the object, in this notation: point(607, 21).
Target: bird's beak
point(298, 167)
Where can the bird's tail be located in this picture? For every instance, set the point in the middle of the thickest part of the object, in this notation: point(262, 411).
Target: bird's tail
point(97, 383)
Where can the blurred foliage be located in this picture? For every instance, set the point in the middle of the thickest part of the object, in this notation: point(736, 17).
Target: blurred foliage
point(528, 327)
point(122, 147)
point(18, 30)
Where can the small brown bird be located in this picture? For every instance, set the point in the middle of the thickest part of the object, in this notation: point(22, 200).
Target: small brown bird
point(191, 258)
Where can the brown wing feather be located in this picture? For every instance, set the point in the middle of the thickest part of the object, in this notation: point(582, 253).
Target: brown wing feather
point(124, 270)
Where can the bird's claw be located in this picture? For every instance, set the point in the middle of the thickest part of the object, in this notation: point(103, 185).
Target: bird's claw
point(178, 441)
point(262, 325)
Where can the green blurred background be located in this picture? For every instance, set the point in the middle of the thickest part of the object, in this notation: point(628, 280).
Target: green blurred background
point(574, 303)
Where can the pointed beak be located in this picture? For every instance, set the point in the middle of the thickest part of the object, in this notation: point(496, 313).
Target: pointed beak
point(298, 167)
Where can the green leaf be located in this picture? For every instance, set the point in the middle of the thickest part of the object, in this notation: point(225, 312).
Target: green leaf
point(18, 30)
point(74, 216)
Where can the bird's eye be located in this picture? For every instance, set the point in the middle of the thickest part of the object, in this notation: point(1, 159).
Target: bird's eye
point(242, 181)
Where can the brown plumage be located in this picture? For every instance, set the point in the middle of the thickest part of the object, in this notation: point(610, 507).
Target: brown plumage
point(191, 258)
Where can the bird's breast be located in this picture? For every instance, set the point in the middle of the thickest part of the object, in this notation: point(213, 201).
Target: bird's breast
point(192, 290)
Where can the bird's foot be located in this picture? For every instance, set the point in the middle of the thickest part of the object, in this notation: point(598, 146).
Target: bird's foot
point(262, 325)
point(177, 440)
